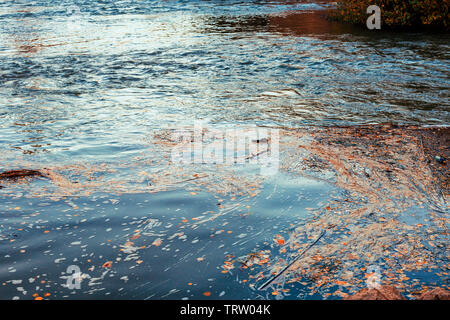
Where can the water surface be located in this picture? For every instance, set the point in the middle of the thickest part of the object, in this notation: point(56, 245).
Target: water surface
point(86, 85)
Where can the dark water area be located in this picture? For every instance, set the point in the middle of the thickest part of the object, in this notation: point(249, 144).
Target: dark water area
point(88, 87)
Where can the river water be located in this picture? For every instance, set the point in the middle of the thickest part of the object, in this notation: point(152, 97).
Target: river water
point(88, 90)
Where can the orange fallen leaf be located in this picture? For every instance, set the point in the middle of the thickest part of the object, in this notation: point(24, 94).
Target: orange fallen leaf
point(107, 264)
point(157, 242)
point(206, 293)
point(279, 239)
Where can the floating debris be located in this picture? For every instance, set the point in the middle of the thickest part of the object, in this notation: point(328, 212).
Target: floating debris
point(20, 174)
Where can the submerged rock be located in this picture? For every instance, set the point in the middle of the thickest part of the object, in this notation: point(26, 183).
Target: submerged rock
point(391, 293)
point(382, 293)
point(435, 294)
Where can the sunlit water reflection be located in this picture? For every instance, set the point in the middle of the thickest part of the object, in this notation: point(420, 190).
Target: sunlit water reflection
point(93, 85)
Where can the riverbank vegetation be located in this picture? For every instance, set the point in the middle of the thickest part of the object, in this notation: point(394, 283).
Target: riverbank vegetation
point(397, 14)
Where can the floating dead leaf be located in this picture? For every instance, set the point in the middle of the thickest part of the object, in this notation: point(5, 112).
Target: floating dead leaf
point(128, 244)
point(157, 242)
point(351, 256)
point(279, 240)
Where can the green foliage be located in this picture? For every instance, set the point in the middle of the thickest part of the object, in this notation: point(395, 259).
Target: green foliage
point(397, 13)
